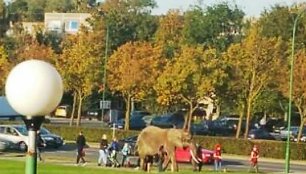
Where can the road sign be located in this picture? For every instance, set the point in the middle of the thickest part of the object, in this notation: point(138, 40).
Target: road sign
point(106, 104)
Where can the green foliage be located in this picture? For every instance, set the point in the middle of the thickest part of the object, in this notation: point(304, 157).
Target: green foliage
point(128, 20)
point(217, 26)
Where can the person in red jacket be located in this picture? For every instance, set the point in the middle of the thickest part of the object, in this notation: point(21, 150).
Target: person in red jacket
point(254, 158)
point(217, 157)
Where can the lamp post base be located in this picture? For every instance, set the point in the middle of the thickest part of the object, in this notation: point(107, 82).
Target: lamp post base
point(33, 124)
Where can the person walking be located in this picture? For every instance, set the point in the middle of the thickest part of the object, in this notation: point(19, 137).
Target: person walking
point(125, 152)
point(80, 142)
point(254, 159)
point(103, 151)
point(217, 157)
point(40, 144)
point(196, 155)
point(113, 150)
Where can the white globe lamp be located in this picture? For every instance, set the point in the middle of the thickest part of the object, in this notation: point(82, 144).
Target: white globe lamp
point(34, 88)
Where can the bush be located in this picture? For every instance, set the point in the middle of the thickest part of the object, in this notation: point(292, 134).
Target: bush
point(270, 149)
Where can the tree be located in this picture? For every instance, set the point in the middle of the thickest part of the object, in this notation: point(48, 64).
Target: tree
point(299, 86)
point(217, 26)
point(190, 76)
point(252, 65)
point(34, 50)
point(127, 21)
point(132, 71)
point(169, 32)
point(60, 6)
point(5, 66)
point(80, 66)
point(3, 18)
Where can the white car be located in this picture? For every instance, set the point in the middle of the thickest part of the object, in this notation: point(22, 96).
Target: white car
point(16, 134)
point(293, 131)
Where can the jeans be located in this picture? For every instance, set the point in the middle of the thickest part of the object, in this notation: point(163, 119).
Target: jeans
point(217, 165)
point(102, 157)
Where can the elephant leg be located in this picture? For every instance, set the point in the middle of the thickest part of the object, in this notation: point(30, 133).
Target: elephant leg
point(174, 166)
point(141, 164)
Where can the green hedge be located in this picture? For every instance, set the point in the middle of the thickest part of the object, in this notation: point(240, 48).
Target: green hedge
point(271, 149)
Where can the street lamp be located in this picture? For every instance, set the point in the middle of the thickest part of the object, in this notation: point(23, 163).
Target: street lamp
point(104, 73)
point(287, 167)
point(33, 88)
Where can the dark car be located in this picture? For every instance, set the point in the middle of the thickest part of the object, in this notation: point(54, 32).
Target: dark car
point(225, 126)
point(260, 134)
point(94, 114)
point(199, 129)
point(170, 120)
point(51, 140)
point(136, 123)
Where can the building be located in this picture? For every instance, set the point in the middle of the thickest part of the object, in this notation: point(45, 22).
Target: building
point(66, 22)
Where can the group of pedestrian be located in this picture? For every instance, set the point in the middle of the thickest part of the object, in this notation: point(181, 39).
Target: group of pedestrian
point(108, 153)
point(196, 154)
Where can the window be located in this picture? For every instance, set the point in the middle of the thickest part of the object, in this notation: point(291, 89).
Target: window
point(55, 26)
point(73, 26)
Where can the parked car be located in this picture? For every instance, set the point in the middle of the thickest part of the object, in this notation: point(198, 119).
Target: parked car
point(199, 129)
point(303, 137)
point(6, 145)
point(136, 123)
point(94, 113)
point(139, 113)
point(260, 134)
point(51, 140)
point(183, 155)
point(294, 130)
point(169, 120)
point(62, 111)
point(16, 134)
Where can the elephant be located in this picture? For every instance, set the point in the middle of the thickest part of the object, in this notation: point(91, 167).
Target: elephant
point(152, 138)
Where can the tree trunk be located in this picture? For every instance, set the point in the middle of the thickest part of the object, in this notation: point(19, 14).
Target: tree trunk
point(302, 117)
point(190, 116)
point(185, 127)
point(248, 114)
point(127, 113)
point(73, 109)
point(239, 124)
point(79, 110)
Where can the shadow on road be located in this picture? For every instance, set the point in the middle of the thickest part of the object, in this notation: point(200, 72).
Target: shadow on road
point(229, 163)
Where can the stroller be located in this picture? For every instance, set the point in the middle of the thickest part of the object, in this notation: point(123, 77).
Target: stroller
point(112, 155)
point(112, 158)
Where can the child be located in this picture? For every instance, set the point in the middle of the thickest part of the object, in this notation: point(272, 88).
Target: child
point(254, 159)
point(125, 152)
point(217, 157)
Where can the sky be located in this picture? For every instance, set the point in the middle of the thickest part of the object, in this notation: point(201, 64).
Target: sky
point(252, 8)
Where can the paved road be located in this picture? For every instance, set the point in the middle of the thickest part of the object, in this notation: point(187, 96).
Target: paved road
point(230, 162)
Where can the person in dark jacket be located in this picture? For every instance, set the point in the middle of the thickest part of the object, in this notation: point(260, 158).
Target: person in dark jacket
point(103, 151)
point(80, 142)
point(40, 144)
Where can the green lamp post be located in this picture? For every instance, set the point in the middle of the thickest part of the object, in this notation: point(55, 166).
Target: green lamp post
point(287, 164)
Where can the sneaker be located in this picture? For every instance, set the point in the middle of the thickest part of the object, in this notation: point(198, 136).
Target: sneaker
point(84, 164)
point(99, 164)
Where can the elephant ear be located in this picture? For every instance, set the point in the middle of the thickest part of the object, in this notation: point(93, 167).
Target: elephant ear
point(177, 137)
